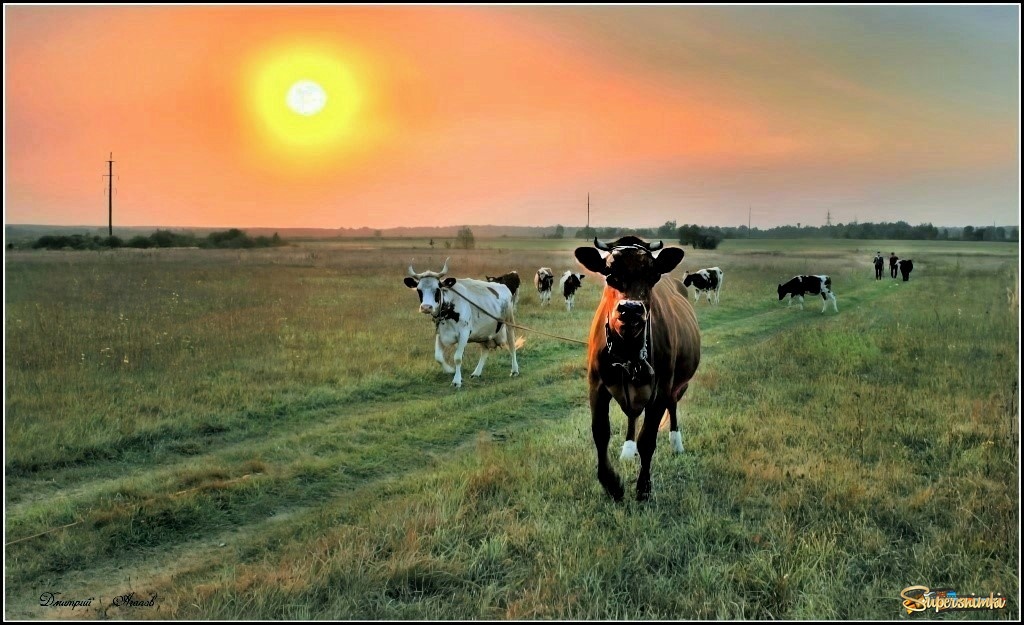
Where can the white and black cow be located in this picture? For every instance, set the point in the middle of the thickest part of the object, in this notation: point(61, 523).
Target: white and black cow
point(511, 280)
point(544, 279)
point(905, 266)
point(705, 281)
point(458, 322)
point(815, 285)
point(571, 282)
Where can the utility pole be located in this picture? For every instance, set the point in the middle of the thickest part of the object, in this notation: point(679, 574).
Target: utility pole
point(110, 196)
point(828, 219)
point(588, 212)
point(748, 222)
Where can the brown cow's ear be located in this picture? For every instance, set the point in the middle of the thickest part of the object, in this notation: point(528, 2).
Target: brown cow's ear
point(591, 258)
point(668, 258)
point(448, 283)
point(412, 283)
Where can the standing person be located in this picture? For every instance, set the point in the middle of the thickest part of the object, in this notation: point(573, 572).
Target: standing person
point(879, 263)
point(892, 264)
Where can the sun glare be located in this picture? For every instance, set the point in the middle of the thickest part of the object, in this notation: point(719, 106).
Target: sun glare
point(304, 98)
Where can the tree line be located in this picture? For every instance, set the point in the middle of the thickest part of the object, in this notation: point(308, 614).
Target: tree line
point(226, 239)
point(708, 237)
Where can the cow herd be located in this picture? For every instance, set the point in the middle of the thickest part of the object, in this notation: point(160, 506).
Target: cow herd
point(644, 342)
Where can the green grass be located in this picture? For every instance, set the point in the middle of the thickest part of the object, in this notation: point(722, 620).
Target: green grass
point(265, 435)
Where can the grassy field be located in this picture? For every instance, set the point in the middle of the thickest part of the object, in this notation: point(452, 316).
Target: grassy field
point(265, 435)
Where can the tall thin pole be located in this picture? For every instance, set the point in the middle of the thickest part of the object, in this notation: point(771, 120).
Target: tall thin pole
point(110, 196)
point(588, 212)
point(748, 222)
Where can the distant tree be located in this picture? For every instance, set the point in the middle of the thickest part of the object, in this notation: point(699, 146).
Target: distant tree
point(431, 243)
point(586, 233)
point(139, 241)
point(378, 234)
point(559, 232)
point(667, 230)
point(464, 239)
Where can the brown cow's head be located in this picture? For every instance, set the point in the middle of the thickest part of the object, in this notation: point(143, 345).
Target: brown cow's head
point(630, 265)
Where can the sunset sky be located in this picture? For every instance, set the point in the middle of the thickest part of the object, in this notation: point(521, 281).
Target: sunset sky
point(511, 115)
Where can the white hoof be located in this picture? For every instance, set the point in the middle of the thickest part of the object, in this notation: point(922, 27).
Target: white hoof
point(629, 451)
point(676, 438)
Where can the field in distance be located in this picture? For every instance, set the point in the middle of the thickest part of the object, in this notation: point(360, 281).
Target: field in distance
point(264, 434)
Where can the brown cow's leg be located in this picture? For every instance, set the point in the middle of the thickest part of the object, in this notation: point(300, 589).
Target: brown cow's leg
point(648, 440)
point(601, 427)
point(674, 435)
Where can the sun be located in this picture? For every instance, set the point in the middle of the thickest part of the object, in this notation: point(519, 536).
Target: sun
point(306, 98)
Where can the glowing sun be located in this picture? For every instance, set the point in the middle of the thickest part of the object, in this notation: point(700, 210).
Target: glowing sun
point(306, 97)
point(287, 95)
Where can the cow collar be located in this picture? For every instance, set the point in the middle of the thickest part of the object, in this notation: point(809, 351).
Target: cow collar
point(445, 311)
point(637, 369)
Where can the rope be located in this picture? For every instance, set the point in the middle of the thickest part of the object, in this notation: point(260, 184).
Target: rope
point(41, 533)
point(515, 325)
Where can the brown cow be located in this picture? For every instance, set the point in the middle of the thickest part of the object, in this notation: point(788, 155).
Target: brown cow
point(644, 349)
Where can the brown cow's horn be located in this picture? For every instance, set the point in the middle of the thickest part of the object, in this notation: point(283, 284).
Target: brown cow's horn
point(444, 270)
point(601, 245)
point(654, 247)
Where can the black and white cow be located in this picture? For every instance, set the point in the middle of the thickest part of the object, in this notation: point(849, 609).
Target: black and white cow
point(705, 281)
point(905, 266)
point(815, 285)
point(543, 280)
point(571, 282)
point(511, 280)
point(458, 322)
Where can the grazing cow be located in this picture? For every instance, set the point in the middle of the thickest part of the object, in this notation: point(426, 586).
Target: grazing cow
point(511, 280)
point(570, 282)
point(815, 285)
point(644, 349)
point(457, 321)
point(905, 266)
point(544, 279)
point(705, 280)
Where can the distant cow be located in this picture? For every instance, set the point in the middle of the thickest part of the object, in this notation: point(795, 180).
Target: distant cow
point(543, 280)
point(815, 285)
point(644, 350)
point(905, 266)
point(458, 322)
point(705, 281)
point(511, 280)
point(571, 283)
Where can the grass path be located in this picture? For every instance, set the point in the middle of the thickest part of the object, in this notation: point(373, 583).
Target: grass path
point(335, 447)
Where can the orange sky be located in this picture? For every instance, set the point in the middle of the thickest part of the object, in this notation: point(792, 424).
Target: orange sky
point(511, 115)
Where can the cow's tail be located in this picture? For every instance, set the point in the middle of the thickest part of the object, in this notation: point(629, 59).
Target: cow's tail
point(666, 422)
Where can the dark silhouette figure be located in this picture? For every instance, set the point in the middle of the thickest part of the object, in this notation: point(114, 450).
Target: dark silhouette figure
point(893, 258)
point(879, 264)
